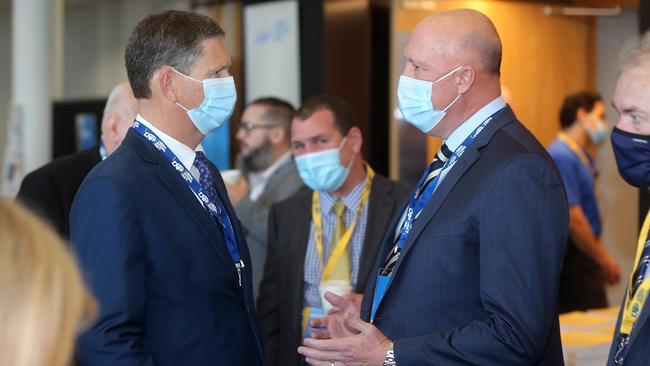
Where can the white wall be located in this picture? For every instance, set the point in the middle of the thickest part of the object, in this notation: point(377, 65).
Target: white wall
point(618, 201)
point(95, 35)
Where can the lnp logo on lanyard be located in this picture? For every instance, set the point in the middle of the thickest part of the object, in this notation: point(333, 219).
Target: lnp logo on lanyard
point(416, 204)
point(215, 211)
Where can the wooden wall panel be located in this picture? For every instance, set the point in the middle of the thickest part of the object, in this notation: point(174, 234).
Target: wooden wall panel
point(544, 58)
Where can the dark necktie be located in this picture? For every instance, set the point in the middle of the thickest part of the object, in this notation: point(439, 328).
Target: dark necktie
point(434, 170)
point(206, 180)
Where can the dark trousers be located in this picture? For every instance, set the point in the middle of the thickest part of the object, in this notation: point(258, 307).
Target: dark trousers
point(582, 285)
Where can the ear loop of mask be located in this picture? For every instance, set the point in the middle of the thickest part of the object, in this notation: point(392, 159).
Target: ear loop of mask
point(442, 78)
point(340, 146)
point(188, 77)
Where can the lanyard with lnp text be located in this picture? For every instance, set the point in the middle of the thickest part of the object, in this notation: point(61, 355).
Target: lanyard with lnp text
point(218, 213)
point(415, 206)
point(342, 245)
point(634, 301)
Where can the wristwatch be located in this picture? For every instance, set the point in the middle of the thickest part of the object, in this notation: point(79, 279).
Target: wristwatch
point(390, 356)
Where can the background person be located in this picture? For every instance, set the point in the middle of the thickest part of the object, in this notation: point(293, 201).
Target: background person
point(43, 300)
point(268, 172)
point(588, 265)
point(49, 190)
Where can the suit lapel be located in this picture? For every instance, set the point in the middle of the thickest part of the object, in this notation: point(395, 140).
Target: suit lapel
point(379, 209)
point(296, 251)
point(645, 313)
point(179, 189)
point(469, 157)
point(300, 235)
point(223, 196)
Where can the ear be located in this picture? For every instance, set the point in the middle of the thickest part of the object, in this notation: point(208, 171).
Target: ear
point(581, 113)
point(355, 138)
point(111, 126)
point(166, 79)
point(277, 135)
point(465, 78)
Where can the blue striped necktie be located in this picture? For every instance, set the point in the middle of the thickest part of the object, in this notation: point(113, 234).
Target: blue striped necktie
point(435, 168)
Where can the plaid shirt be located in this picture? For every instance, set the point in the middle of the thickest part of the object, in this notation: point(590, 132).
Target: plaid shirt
point(313, 264)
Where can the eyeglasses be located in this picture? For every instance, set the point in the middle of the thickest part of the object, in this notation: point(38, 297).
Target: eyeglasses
point(248, 127)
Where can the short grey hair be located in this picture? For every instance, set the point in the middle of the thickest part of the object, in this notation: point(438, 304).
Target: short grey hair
point(636, 53)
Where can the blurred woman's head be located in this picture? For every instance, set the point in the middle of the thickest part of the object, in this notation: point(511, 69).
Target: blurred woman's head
point(43, 300)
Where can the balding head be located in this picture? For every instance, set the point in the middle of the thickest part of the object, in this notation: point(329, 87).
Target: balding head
point(632, 95)
point(463, 40)
point(119, 113)
point(463, 36)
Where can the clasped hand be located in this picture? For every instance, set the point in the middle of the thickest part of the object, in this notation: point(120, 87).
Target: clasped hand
point(345, 339)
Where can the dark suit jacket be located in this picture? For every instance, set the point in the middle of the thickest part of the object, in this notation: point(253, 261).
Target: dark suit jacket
point(281, 291)
point(159, 268)
point(49, 190)
point(477, 279)
point(638, 351)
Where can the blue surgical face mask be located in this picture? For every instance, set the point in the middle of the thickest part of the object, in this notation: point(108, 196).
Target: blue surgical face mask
point(632, 153)
point(414, 98)
point(218, 103)
point(322, 171)
point(599, 134)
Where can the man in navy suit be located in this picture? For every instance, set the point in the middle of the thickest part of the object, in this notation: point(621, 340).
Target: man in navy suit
point(631, 145)
point(152, 225)
point(469, 272)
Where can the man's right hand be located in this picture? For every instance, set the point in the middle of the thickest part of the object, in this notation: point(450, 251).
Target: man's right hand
point(334, 324)
point(611, 270)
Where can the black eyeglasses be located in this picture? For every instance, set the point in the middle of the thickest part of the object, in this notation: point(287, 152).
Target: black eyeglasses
point(248, 127)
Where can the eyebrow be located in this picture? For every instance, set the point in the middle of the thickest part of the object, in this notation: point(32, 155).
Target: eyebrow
point(215, 71)
point(311, 138)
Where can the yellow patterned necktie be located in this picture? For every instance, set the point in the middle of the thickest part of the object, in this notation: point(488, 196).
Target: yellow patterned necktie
point(341, 270)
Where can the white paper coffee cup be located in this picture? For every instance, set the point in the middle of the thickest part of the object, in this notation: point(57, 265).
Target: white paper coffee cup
point(231, 176)
point(337, 287)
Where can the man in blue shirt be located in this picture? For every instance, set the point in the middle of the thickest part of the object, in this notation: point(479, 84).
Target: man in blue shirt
point(588, 265)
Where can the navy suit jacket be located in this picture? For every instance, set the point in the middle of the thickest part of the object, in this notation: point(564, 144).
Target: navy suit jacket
point(477, 279)
point(159, 268)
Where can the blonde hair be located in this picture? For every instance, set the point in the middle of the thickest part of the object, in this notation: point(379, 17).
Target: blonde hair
point(43, 300)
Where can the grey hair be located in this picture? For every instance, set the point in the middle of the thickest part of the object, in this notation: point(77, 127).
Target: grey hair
point(636, 52)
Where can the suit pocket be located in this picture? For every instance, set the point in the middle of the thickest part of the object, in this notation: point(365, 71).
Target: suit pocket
point(446, 230)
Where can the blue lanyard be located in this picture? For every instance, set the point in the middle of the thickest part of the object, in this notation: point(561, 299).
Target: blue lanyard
point(415, 206)
point(216, 211)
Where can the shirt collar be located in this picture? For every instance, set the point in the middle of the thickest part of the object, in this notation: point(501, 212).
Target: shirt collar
point(350, 200)
point(466, 128)
point(183, 152)
point(270, 170)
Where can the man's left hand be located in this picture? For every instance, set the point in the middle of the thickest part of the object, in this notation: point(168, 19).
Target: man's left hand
point(367, 348)
point(237, 190)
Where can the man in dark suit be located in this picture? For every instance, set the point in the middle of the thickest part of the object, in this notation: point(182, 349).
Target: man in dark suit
point(49, 190)
point(631, 144)
point(327, 147)
point(469, 272)
point(152, 225)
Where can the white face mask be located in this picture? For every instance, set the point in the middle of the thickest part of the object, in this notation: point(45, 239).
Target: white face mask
point(414, 98)
point(322, 171)
point(218, 103)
